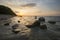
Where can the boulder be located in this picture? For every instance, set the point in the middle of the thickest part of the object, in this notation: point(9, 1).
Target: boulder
point(43, 26)
point(42, 19)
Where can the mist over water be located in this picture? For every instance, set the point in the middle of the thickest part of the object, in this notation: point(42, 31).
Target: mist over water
point(34, 33)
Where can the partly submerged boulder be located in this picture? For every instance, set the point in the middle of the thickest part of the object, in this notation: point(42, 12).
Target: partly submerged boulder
point(6, 10)
point(52, 22)
point(42, 19)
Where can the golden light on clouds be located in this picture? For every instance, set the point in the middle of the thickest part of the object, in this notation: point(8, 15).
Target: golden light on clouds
point(37, 12)
point(32, 11)
point(29, 11)
point(29, 7)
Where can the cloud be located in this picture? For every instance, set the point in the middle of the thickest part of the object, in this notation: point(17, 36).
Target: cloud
point(29, 5)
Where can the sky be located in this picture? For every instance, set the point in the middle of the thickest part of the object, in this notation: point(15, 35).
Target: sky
point(34, 7)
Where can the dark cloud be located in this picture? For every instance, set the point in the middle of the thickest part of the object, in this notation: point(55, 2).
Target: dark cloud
point(29, 5)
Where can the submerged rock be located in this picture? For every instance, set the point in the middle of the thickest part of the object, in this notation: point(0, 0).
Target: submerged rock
point(52, 22)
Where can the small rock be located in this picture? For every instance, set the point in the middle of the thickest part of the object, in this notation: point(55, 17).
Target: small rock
point(15, 26)
point(43, 26)
point(18, 21)
point(14, 31)
point(6, 24)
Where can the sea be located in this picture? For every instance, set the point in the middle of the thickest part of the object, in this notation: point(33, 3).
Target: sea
point(35, 33)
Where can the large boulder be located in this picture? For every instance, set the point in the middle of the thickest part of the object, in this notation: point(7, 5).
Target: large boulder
point(42, 19)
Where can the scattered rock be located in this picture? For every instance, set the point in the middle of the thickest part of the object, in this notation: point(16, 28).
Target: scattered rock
point(38, 24)
point(28, 26)
point(35, 17)
point(18, 21)
point(15, 26)
point(6, 24)
point(3, 19)
point(14, 31)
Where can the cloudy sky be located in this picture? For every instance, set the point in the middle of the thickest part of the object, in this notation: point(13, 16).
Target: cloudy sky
point(34, 7)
